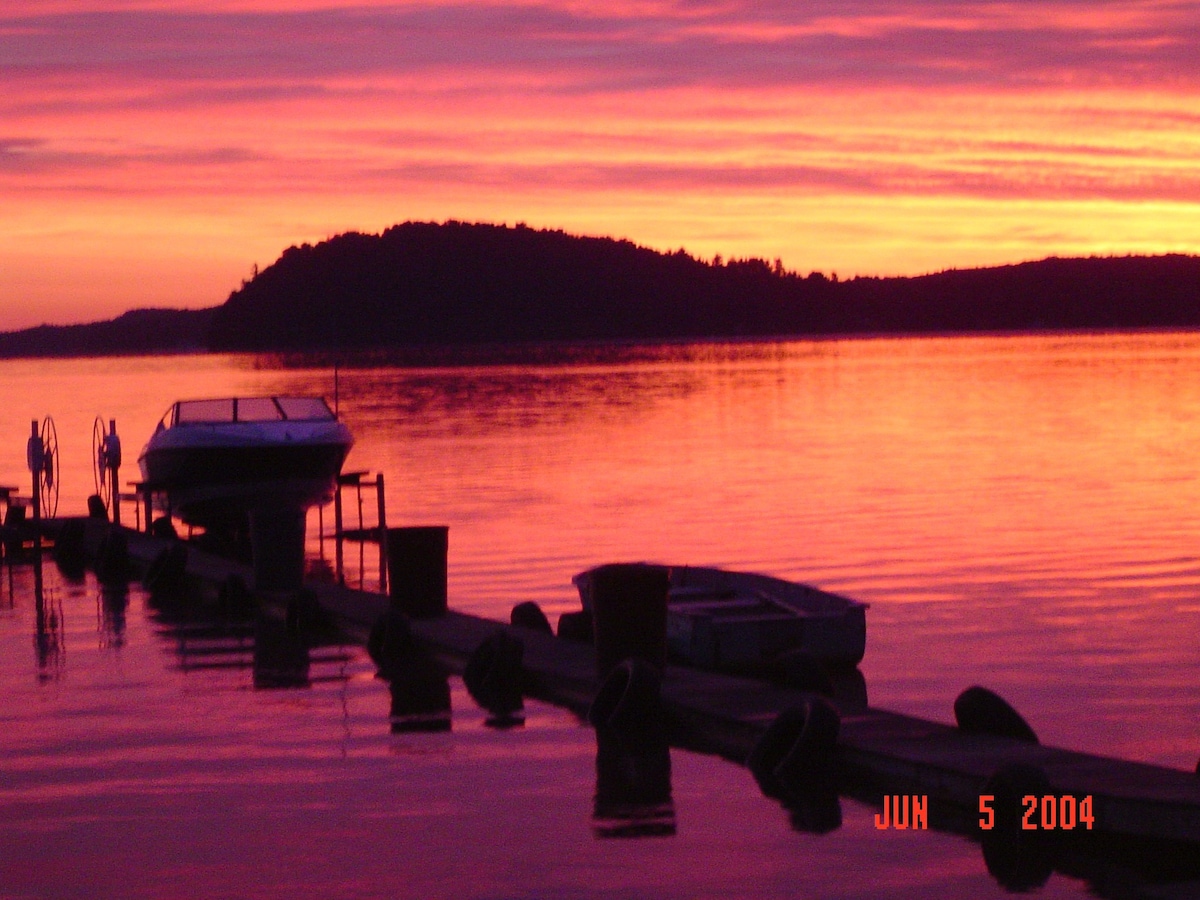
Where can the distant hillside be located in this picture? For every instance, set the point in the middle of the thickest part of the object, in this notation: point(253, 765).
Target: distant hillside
point(420, 284)
point(1098, 292)
point(457, 283)
point(135, 332)
point(424, 284)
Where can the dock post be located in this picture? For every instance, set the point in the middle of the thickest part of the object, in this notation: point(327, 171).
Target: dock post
point(337, 534)
point(381, 522)
point(277, 545)
point(36, 457)
point(112, 458)
point(629, 605)
point(416, 562)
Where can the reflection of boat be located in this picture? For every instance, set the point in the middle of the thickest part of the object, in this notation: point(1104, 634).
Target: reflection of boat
point(216, 460)
point(742, 621)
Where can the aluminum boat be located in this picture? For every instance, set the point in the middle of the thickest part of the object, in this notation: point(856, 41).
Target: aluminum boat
point(746, 622)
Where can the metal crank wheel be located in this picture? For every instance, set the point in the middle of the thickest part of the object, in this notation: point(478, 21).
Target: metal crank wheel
point(100, 463)
point(48, 471)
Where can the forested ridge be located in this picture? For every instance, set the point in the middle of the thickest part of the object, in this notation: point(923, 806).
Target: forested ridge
point(426, 284)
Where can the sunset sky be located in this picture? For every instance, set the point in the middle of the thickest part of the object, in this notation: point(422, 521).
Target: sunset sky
point(153, 153)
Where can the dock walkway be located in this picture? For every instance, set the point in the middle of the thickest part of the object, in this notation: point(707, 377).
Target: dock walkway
point(727, 715)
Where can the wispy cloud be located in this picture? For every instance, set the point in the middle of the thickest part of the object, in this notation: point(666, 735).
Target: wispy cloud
point(623, 117)
point(610, 47)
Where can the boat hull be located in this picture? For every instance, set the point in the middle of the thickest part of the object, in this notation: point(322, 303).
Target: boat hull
point(223, 483)
point(214, 476)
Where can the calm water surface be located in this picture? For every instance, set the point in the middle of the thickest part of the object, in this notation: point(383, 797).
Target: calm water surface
point(1020, 511)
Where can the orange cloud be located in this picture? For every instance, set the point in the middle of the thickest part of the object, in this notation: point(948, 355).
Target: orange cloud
point(865, 137)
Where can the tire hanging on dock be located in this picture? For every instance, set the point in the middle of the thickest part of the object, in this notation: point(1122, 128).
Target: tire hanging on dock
point(628, 705)
point(70, 548)
point(112, 563)
point(576, 626)
point(530, 615)
point(494, 676)
point(1020, 860)
point(794, 762)
point(980, 711)
point(234, 597)
point(167, 570)
point(391, 643)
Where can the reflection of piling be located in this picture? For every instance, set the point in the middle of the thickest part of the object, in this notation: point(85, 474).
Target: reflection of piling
point(420, 701)
point(633, 760)
point(417, 569)
point(48, 640)
point(494, 678)
point(633, 790)
point(419, 685)
point(281, 657)
point(629, 605)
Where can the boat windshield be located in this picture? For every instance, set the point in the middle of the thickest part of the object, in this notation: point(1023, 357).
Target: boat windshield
point(314, 408)
point(251, 409)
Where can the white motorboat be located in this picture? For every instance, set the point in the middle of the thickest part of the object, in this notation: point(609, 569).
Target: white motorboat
point(215, 461)
point(744, 621)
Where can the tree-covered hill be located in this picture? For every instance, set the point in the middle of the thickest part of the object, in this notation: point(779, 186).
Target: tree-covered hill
point(423, 283)
point(138, 331)
point(426, 284)
point(457, 283)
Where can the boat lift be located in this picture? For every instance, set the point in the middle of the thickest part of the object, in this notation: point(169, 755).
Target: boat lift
point(363, 534)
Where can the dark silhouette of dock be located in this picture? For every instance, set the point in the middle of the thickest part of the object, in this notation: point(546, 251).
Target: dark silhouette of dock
point(1140, 815)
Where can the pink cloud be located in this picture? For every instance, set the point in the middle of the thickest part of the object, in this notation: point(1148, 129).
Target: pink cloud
point(563, 47)
point(332, 114)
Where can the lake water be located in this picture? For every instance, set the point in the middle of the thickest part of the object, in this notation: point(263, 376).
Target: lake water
point(1022, 512)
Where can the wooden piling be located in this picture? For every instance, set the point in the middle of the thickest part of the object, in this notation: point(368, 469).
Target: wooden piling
point(629, 604)
point(112, 459)
point(277, 545)
point(417, 560)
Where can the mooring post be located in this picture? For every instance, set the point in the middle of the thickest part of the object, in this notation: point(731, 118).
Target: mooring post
point(381, 519)
point(629, 608)
point(337, 533)
point(35, 456)
point(277, 546)
point(416, 559)
point(112, 458)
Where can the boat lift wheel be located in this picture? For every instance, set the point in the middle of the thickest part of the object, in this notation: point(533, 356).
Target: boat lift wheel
point(48, 471)
point(100, 473)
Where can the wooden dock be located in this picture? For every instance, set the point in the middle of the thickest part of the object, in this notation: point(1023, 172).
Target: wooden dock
point(887, 752)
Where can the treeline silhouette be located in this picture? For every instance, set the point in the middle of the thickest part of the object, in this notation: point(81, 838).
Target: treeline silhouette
point(422, 283)
point(138, 332)
point(426, 284)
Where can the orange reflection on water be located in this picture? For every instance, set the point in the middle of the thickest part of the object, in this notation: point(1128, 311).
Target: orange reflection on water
point(1020, 511)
